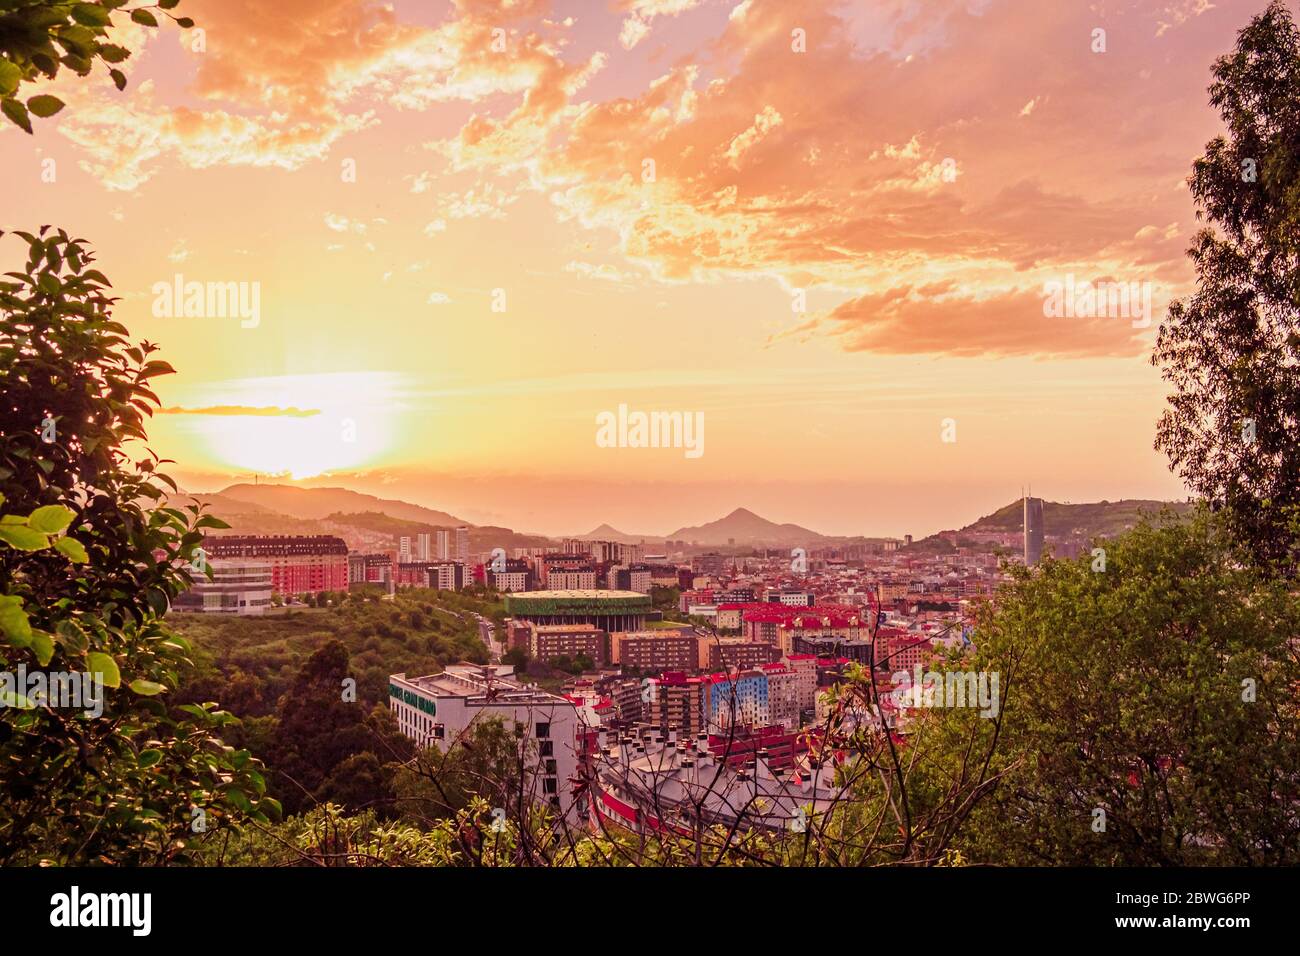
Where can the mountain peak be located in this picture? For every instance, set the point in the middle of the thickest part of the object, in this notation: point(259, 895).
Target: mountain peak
point(743, 526)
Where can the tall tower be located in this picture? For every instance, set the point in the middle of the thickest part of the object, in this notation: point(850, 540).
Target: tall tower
point(462, 544)
point(1033, 531)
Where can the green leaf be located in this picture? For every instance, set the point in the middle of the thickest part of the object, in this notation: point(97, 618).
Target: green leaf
point(42, 646)
point(158, 601)
point(47, 283)
point(184, 22)
point(119, 80)
point(112, 53)
point(168, 4)
point(46, 64)
point(23, 538)
point(90, 14)
point(72, 549)
point(10, 77)
point(52, 519)
point(259, 783)
point(146, 688)
point(71, 636)
point(150, 757)
point(45, 105)
point(13, 621)
point(17, 113)
point(103, 665)
point(141, 15)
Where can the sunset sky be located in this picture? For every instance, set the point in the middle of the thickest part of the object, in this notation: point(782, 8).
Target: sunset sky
point(520, 165)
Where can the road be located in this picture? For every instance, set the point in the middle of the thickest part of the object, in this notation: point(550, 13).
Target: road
point(487, 632)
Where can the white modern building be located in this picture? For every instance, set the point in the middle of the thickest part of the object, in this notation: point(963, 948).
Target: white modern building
point(447, 576)
point(438, 709)
point(238, 586)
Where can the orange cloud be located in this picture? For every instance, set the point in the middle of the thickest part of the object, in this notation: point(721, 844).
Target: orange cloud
point(895, 152)
point(287, 81)
point(940, 320)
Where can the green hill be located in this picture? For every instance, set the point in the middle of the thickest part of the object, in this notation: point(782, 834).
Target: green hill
point(248, 662)
point(1096, 519)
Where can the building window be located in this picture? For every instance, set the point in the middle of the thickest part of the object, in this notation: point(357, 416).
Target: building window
point(543, 730)
point(546, 748)
point(550, 785)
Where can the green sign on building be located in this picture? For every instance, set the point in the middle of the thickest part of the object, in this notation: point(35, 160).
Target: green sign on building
point(413, 699)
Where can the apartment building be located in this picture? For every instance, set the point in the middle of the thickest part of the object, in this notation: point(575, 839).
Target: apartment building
point(548, 642)
point(436, 710)
point(300, 564)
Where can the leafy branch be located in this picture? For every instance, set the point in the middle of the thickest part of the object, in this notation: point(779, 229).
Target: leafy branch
point(37, 37)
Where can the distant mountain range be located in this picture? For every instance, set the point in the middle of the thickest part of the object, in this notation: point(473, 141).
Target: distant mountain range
point(317, 503)
point(367, 521)
point(741, 527)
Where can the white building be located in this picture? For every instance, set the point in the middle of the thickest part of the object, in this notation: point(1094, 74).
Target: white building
point(447, 576)
point(439, 708)
point(510, 580)
point(562, 579)
point(238, 586)
point(625, 578)
point(790, 598)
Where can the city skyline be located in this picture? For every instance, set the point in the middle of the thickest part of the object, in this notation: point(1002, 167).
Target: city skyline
point(827, 276)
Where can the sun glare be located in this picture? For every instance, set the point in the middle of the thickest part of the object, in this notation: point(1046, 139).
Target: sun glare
point(297, 426)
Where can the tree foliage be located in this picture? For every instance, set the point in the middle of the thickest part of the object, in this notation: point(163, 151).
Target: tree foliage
point(1232, 350)
point(1150, 708)
point(89, 561)
point(38, 38)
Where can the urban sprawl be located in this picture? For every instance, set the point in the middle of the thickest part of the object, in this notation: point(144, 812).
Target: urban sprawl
point(714, 707)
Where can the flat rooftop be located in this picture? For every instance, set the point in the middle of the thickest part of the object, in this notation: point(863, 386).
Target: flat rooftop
point(472, 681)
point(576, 595)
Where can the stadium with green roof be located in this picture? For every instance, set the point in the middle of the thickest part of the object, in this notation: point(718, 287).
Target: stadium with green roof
point(607, 610)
